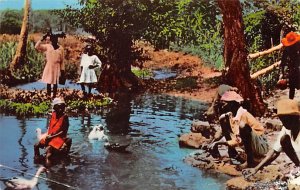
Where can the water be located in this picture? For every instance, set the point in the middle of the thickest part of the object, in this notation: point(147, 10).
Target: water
point(163, 74)
point(149, 123)
point(42, 86)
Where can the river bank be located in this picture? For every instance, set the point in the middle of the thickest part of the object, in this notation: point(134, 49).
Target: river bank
point(275, 176)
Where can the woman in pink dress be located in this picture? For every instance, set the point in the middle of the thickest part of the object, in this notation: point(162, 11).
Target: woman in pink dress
point(54, 61)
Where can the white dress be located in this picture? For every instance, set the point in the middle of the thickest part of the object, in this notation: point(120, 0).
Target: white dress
point(88, 75)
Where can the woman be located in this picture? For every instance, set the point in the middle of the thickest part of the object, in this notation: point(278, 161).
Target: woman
point(54, 61)
point(88, 63)
point(56, 139)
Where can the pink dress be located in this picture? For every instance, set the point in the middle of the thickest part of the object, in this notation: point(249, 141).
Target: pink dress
point(54, 62)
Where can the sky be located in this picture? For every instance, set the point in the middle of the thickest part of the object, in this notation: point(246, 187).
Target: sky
point(36, 4)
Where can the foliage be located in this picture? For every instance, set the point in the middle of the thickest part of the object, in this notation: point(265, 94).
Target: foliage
point(91, 104)
point(42, 108)
point(117, 24)
point(263, 28)
point(71, 71)
point(30, 71)
point(39, 21)
point(10, 22)
point(24, 109)
point(192, 27)
point(141, 73)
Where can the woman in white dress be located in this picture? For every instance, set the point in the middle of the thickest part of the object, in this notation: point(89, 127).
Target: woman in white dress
point(88, 63)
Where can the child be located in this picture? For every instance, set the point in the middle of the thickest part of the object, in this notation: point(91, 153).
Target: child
point(88, 63)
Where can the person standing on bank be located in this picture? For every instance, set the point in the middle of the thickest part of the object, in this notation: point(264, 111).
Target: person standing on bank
point(54, 67)
point(291, 59)
point(88, 63)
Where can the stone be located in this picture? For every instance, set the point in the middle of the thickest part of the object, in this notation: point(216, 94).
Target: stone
point(193, 140)
point(203, 127)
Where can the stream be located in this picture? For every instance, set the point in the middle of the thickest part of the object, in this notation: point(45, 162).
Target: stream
point(149, 123)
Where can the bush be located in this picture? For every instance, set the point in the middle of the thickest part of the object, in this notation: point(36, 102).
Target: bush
point(28, 72)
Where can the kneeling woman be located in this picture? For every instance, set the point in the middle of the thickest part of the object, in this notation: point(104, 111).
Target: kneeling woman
point(56, 139)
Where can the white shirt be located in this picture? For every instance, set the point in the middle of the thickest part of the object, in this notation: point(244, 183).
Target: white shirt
point(87, 60)
point(295, 142)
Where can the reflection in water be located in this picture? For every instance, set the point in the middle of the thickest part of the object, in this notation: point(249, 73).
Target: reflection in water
point(149, 123)
point(23, 149)
point(117, 119)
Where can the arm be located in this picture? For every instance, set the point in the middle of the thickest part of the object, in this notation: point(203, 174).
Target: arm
point(63, 130)
point(39, 46)
point(270, 157)
point(216, 142)
point(54, 135)
point(96, 63)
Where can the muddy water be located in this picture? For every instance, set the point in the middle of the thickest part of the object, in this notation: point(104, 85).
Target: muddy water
point(149, 123)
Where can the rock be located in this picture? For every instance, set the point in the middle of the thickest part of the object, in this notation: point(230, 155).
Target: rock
point(193, 140)
point(203, 127)
point(238, 183)
point(294, 184)
point(229, 169)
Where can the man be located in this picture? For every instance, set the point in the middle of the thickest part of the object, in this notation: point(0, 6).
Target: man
point(291, 59)
point(240, 127)
point(288, 139)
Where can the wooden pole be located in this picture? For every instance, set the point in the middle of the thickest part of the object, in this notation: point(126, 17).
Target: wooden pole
point(265, 70)
point(258, 54)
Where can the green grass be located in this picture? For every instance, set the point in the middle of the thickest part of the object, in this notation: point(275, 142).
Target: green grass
point(39, 109)
point(141, 73)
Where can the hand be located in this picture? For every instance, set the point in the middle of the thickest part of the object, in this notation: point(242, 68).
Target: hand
point(211, 146)
point(92, 66)
point(281, 76)
point(47, 139)
point(247, 173)
point(44, 37)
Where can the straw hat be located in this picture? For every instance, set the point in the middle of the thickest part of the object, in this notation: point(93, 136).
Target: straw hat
point(58, 101)
point(287, 107)
point(290, 39)
point(232, 96)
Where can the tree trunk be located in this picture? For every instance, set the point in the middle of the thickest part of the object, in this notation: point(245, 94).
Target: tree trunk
point(235, 55)
point(112, 79)
point(20, 55)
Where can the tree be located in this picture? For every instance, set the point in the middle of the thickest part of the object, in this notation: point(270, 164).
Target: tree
point(10, 22)
point(20, 55)
point(116, 26)
point(235, 55)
